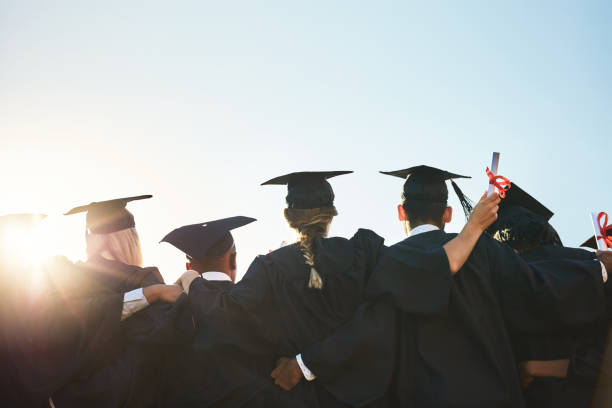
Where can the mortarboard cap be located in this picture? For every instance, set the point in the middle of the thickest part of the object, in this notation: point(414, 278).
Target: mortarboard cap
point(516, 196)
point(523, 222)
point(427, 186)
point(211, 238)
point(308, 189)
point(104, 217)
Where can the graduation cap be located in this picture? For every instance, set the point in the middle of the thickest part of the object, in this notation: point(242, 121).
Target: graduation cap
point(516, 196)
point(307, 189)
point(104, 217)
point(592, 242)
point(211, 238)
point(523, 222)
point(519, 208)
point(426, 185)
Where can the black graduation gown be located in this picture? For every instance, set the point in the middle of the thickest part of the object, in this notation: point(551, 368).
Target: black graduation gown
point(453, 344)
point(272, 313)
point(75, 347)
point(12, 390)
point(462, 355)
point(582, 345)
point(218, 376)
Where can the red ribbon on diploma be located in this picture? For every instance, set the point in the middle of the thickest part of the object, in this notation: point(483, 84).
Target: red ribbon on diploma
point(502, 183)
point(604, 229)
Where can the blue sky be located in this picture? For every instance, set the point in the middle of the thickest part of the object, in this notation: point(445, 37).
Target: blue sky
point(200, 102)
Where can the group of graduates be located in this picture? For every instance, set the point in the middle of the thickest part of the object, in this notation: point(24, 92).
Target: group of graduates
point(499, 315)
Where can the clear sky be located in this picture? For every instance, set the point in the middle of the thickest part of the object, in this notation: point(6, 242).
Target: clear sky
point(199, 102)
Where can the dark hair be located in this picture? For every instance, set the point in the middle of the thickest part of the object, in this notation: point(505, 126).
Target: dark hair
point(422, 212)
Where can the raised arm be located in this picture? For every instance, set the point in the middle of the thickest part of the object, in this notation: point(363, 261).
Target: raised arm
point(459, 248)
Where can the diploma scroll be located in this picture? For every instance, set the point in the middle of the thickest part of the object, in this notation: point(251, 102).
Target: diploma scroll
point(599, 234)
point(494, 167)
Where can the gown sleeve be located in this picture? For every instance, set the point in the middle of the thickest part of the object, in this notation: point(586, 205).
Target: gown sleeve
point(67, 338)
point(356, 363)
point(240, 315)
point(546, 295)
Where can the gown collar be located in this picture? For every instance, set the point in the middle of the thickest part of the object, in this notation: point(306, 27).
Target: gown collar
point(422, 229)
point(215, 276)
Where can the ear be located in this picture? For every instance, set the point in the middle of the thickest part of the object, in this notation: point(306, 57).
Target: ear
point(233, 267)
point(188, 266)
point(401, 213)
point(232, 261)
point(447, 216)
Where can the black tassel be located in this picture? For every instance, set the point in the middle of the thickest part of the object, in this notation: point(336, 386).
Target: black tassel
point(466, 203)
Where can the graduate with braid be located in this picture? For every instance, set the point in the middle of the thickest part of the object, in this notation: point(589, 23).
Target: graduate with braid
point(299, 294)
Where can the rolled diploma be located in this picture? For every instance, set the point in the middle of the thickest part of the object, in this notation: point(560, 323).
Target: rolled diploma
point(493, 168)
point(601, 244)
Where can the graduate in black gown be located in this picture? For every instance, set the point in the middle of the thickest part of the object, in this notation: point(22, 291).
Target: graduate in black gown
point(558, 369)
point(219, 376)
point(453, 347)
point(293, 296)
point(298, 295)
point(93, 337)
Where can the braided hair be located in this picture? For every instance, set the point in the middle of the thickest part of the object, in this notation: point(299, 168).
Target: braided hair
point(310, 224)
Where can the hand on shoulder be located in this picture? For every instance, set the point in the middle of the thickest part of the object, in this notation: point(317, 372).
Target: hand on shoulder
point(185, 280)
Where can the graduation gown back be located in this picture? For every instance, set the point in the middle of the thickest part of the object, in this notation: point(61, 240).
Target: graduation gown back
point(272, 313)
point(455, 350)
point(583, 345)
point(218, 376)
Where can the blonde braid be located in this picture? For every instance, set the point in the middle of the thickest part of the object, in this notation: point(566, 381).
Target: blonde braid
point(310, 223)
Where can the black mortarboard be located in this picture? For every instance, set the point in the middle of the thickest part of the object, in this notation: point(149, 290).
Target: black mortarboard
point(211, 238)
point(427, 185)
point(592, 242)
point(516, 196)
point(308, 189)
point(522, 222)
point(104, 217)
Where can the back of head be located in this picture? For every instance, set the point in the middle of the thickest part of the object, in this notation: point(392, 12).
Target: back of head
point(122, 246)
point(220, 257)
point(425, 194)
point(111, 230)
point(523, 222)
point(523, 230)
point(310, 209)
point(209, 246)
point(424, 200)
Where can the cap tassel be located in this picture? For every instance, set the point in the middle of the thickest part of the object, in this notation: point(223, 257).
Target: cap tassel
point(466, 203)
